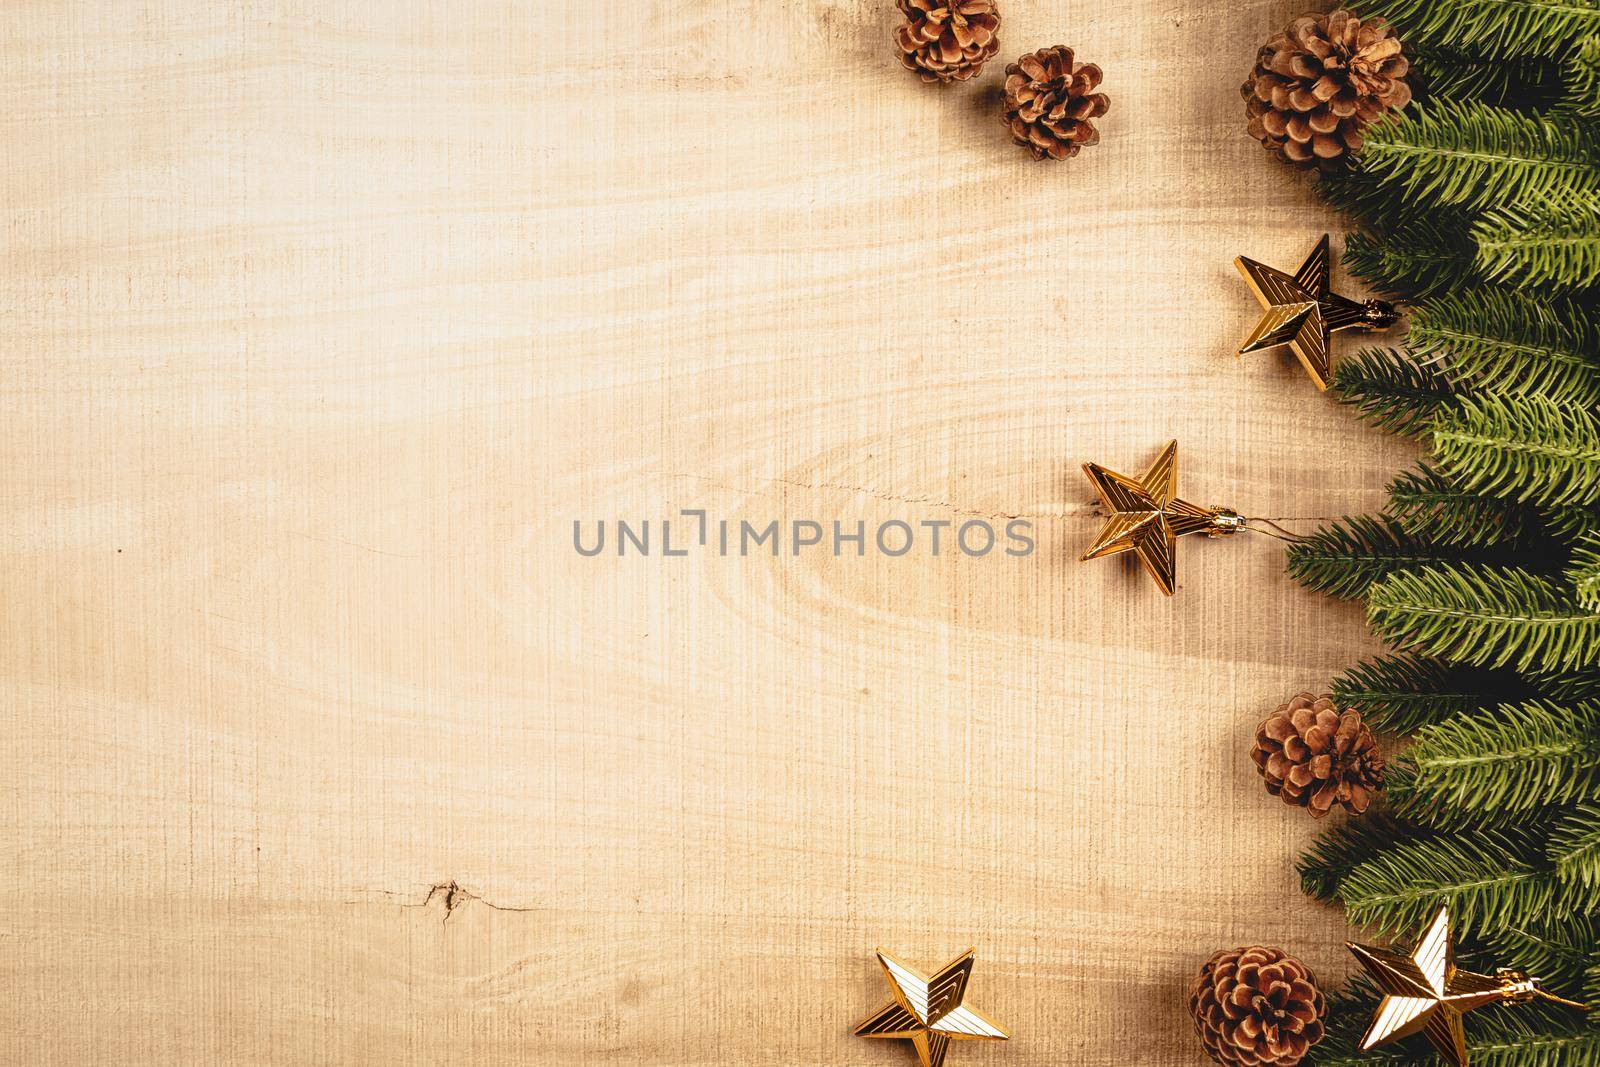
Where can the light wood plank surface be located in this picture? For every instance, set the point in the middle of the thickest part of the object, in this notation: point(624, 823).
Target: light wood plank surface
point(323, 322)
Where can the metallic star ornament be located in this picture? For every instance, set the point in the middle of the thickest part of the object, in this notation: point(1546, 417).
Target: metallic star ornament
point(1425, 992)
point(927, 1011)
point(1303, 311)
point(1147, 517)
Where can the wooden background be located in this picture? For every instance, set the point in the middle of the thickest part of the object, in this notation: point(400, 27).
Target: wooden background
point(323, 320)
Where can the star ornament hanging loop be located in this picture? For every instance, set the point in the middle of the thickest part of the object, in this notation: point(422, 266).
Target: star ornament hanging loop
point(1427, 993)
point(927, 1010)
point(1147, 517)
point(1301, 310)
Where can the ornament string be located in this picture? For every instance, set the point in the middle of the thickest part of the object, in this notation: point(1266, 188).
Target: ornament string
point(1277, 531)
point(1540, 991)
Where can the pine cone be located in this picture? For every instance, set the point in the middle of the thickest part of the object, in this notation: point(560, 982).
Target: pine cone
point(1051, 104)
point(1256, 1007)
point(1320, 83)
point(947, 40)
point(1312, 754)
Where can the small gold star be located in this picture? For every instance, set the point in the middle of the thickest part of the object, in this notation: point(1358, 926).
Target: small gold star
point(1303, 311)
point(1148, 518)
point(1426, 992)
point(928, 1011)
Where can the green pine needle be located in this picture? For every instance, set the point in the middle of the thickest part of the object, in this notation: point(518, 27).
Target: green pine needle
point(1559, 953)
point(1584, 571)
point(1335, 854)
point(1489, 765)
point(1553, 245)
point(1572, 523)
point(1491, 27)
point(1432, 507)
point(1488, 878)
point(1521, 448)
point(1580, 76)
point(1569, 687)
point(1343, 559)
point(1508, 342)
point(1490, 617)
point(1392, 389)
point(1474, 155)
point(1409, 256)
point(1575, 846)
point(1499, 80)
point(1400, 693)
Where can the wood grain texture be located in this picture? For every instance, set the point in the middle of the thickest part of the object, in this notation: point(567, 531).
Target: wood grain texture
point(324, 320)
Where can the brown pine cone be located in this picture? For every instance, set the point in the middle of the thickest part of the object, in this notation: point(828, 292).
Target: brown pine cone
point(1051, 104)
point(1312, 754)
point(1320, 83)
point(947, 40)
point(1256, 1007)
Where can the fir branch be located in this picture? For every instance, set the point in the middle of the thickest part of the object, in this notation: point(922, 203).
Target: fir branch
point(1490, 617)
point(1571, 523)
point(1580, 76)
point(1571, 687)
point(1520, 448)
point(1508, 342)
point(1433, 507)
point(1489, 765)
point(1584, 571)
point(1576, 850)
point(1413, 256)
point(1488, 878)
point(1390, 388)
point(1474, 155)
point(1559, 953)
point(1332, 857)
point(1497, 80)
point(1399, 694)
point(1555, 245)
point(1490, 27)
point(1354, 192)
point(1343, 559)
point(1575, 846)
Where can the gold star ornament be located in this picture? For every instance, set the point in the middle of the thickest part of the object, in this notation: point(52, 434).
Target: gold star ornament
point(1427, 993)
point(928, 1010)
point(1303, 312)
point(1147, 517)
